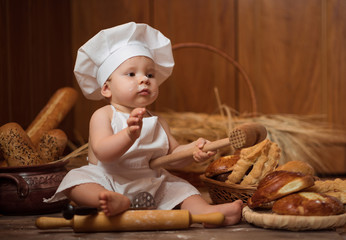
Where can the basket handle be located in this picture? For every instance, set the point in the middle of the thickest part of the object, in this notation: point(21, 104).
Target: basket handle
point(230, 60)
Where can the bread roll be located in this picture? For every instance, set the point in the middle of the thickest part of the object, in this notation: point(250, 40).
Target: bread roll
point(221, 165)
point(52, 114)
point(297, 166)
point(308, 204)
point(16, 147)
point(335, 188)
point(52, 145)
point(278, 184)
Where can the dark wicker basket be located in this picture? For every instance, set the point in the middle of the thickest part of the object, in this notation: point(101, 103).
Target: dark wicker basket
point(221, 192)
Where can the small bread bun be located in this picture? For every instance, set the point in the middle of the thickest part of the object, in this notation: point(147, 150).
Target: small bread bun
point(297, 166)
point(221, 165)
point(52, 145)
point(278, 184)
point(16, 147)
point(308, 204)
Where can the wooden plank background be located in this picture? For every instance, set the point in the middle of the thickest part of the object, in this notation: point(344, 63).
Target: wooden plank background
point(35, 57)
point(293, 51)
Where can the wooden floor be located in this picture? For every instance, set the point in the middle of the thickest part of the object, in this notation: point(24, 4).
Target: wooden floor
point(23, 227)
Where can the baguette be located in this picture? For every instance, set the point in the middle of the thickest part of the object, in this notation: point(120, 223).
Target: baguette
point(52, 114)
point(52, 145)
point(16, 147)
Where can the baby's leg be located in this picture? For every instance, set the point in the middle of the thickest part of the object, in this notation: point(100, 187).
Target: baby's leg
point(94, 195)
point(197, 205)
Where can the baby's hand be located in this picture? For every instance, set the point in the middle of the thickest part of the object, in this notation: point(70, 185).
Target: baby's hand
point(134, 123)
point(200, 156)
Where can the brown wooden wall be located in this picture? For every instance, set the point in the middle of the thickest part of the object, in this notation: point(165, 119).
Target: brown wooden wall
point(35, 57)
point(293, 51)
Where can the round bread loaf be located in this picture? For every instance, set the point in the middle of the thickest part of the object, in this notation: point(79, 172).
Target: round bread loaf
point(278, 184)
point(297, 166)
point(308, 204)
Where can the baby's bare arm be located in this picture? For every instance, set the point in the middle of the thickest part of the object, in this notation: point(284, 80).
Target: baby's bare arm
point(106, 145)
point(198, 155)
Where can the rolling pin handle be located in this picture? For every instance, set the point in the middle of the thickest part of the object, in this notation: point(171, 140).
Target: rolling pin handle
point(215, 218)
point(70, 211)
point(45, 223)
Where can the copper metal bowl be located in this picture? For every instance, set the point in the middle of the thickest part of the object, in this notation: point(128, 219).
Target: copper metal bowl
point(22, 189)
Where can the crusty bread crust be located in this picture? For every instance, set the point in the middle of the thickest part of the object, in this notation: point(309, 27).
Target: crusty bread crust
point(16, 147)
point(262, 158)
point(52, 114)
point(266, 163)
point(308, 204)
point(297, 166)
point(278, 184)
point(335, 188)
point(52, 145)
point(221, 165)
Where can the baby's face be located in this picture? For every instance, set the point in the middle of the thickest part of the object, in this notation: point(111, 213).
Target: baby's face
point(133, 83)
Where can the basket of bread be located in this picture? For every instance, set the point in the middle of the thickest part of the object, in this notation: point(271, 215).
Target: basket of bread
point(31, 168)
point(287, 196)
point(292, 199)
point(236, 176)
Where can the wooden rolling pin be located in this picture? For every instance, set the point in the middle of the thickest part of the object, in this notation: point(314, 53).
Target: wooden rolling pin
point(131, 220)
point(245, 135)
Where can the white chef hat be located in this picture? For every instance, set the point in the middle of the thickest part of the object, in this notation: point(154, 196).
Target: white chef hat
point(103, 53)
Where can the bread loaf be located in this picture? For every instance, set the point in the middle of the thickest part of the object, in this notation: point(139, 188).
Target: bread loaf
point(16, 147)
point(255, 163)
point(266, 163)
point(278, 184)
point(52, 145)
point(221, 165)
point(297, 166)
point(308, 204)
point(52, 114)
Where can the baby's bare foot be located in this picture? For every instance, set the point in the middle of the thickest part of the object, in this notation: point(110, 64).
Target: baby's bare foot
point(232, 212)
point(113, 203)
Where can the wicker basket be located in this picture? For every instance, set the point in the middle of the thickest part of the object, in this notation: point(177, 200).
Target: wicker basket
point(221, 192)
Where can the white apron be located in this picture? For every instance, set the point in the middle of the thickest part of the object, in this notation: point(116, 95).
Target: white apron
point(131, 174)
